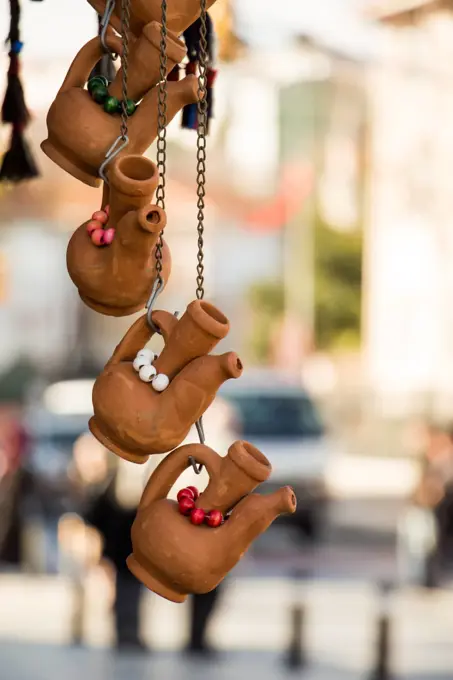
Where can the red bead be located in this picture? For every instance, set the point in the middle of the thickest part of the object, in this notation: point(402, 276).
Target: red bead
point(97, 237)
point(194, 490)
point(214, 518)
point(92, 225)
point(109, 235)
point(101, 216)
point(185, 493)
point(197, 516)
point(186, 505)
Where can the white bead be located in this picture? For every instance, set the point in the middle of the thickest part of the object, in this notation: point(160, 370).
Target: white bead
point(161, 382)
point(139, 362)
point(147, 373)
point(146, 353)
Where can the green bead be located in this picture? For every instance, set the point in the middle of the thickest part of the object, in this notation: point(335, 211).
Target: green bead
point(130, 107)
point(96, 81)
point(111, 105)
point(100, 94)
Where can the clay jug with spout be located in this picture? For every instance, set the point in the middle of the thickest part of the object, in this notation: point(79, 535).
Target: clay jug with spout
point(80, 132)
point(131, 418)
point(171, 556)
point(180, 13)
point(117, 279)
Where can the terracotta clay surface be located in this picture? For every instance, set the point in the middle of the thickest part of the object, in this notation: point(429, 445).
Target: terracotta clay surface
point(144, 62)
point(174, 558)
point(80, 132)
point(180, 13)
point(133, 420)
point(117, 279)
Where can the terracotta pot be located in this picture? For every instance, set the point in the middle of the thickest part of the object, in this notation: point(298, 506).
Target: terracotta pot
point(117, 279)
point(80, 132)
point(180, 13)
point(134, 421)
point(174, 558)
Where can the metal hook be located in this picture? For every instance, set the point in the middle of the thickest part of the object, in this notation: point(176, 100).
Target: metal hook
point(105, 20)
point(114, 150)
point(158, 285)
point(200, 429)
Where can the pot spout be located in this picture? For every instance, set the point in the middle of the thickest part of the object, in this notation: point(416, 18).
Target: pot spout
point(195, 335)
point(254, 514)
point(133, 180)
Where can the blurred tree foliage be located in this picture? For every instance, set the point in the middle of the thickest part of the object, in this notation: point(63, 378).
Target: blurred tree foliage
point(338, 287)
point(338, 292)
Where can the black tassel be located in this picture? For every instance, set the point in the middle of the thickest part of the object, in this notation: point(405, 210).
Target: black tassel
point(14, 109)
point(173, 76)
point(192, 40)
point(18, 163)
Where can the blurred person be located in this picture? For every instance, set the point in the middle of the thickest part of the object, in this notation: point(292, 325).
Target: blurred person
point(112, 513)
point(222, 428)
point(426, 528)
point(15, 484)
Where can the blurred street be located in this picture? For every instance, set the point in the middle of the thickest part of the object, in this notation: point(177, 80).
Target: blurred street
point(251, 629)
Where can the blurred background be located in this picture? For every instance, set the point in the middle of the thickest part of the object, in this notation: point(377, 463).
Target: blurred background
point(329, 247)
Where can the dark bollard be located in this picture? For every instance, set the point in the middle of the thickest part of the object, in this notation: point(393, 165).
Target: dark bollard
point(296, 656)
point(382, 670)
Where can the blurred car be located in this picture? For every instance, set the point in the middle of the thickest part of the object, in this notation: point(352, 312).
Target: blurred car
point(279, 417)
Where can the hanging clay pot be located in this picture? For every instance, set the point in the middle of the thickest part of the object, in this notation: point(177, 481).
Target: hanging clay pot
point(131, 418)
point(80, 131)
point(180, 13)
point(116, 279)
point(173, 557)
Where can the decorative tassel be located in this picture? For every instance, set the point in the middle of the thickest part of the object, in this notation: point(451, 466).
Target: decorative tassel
point(18, 163)
point(173, 76)
point(14, 109)
point(192, 40)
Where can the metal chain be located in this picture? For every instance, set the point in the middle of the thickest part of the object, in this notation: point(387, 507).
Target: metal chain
point(123, 140)
point(162, 135)
point(125, 21)
point(202, 107)
point(201, 145)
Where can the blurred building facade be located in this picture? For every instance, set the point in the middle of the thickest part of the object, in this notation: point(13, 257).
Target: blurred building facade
point(409, 284)
point(293, 120)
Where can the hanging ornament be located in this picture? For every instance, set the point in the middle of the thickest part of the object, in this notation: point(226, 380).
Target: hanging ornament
point(111, 257)
point(138, 412)
point(175, 556)
point(83, 123)
point(199, 39)
point(180, 15)
point(18, 163)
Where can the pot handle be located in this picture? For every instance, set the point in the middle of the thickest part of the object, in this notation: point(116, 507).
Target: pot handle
point(86, 60)
point(173, 465)
point(138, 335)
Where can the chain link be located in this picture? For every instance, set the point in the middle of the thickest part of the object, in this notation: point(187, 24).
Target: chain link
point(162, 134)
point(125, 21)
point(201, 145)
point(202, 107)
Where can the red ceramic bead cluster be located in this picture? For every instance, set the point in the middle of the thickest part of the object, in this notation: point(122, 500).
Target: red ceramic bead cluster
point(186, 499)
point(96, 228)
